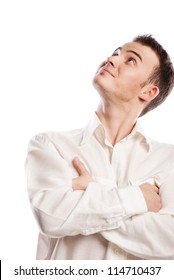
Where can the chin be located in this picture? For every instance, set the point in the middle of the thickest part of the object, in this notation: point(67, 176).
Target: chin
point(100, 83)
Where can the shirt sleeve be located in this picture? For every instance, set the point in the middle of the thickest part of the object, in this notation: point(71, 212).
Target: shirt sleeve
point(150, 235)
point(59, 210)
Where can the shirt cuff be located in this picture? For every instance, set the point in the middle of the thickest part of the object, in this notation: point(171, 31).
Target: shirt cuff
point(132, 200)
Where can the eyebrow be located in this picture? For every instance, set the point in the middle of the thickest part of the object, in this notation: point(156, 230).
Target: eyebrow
point(130, 51)
point(137, 54)
point(118, 49)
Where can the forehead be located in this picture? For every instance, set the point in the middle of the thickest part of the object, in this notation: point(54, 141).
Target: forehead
point(146, 53)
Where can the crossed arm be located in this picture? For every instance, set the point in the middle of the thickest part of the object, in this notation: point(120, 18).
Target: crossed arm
point(66, 207)
point(149, 236)
point(150, 192)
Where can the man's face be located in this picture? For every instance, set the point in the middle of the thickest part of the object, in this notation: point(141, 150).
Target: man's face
point(125, 71)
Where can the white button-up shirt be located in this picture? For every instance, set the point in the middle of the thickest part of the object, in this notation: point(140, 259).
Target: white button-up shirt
point(110, 219)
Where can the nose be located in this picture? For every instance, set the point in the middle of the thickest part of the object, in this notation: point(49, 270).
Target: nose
point(113, 61)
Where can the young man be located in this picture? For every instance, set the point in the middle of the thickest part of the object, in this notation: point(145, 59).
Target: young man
point(106, 191)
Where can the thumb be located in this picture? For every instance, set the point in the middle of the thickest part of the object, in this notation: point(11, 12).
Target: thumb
point(79, 166)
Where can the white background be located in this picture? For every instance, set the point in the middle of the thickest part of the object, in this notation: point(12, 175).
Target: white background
point(49, 52)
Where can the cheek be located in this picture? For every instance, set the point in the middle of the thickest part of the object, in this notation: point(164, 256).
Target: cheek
point(135, 88)
point(129, 88)
point(132, 79)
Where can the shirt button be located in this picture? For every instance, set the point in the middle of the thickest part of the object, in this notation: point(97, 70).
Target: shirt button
point(115, 250)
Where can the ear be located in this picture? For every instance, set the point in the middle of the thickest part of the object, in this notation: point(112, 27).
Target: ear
point(148, 93)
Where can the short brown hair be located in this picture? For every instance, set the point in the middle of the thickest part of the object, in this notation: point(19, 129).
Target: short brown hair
point(162, 76)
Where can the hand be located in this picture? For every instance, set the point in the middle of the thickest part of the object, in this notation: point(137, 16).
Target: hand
point(81, 182)
point(152, 197)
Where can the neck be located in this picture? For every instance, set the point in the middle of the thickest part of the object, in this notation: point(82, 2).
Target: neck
point(117, 121)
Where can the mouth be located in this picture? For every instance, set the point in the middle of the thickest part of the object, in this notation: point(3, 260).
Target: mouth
point(108, 71)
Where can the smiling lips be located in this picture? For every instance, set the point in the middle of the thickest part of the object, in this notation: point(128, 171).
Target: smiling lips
point(106, 69)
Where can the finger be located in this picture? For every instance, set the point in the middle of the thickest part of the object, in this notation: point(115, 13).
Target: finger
point(78, 188)
point(79, 166)
point(156, 189)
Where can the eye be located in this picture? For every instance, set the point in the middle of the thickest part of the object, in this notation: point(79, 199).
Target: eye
point(116, 53)
point(131, 60)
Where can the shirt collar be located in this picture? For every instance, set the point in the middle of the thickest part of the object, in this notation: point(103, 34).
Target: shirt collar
point(139, 130)
point(96, 125)
point(93, 124)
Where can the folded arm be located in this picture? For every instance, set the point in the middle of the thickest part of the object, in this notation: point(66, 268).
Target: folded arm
point(151, 235)
point(61, 207)
point(149, 191)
